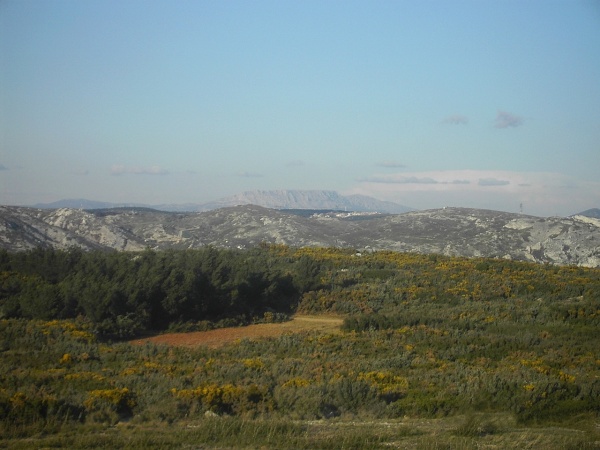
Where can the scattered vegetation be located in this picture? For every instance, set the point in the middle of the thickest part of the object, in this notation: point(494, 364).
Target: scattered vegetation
point(434, 351)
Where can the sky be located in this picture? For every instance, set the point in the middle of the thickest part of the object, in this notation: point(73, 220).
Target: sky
point(483, 104)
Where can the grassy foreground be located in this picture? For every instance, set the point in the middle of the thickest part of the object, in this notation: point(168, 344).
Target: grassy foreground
point(474, 431)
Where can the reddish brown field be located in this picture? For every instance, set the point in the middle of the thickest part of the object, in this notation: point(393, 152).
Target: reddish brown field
point(223, 336)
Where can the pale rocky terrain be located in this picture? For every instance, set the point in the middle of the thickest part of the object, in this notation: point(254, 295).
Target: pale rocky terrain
point(449, 231)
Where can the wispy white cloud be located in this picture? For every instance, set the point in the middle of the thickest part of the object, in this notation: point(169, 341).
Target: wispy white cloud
point(541, 193)
point(457, 182)
point(80, 172)
point(492, 182)
point(411, 179)
point(296, 163)
point(456, 119)
point(507, 120)
point(118, 169)
point(3, 167)
point(396, 179)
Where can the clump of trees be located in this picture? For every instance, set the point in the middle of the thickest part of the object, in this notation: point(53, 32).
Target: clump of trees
point(125, 294)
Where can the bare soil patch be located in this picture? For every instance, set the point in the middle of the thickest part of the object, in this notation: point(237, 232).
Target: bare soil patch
point(220, 337)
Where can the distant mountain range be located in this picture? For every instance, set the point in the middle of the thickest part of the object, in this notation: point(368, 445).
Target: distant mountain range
point(594, 212)
point(278, 199)
point(448, 231)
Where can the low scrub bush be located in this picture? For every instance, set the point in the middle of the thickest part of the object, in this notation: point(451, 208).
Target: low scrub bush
point(428, 337)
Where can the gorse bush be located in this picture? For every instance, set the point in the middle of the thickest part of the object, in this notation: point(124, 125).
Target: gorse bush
point(226, 399)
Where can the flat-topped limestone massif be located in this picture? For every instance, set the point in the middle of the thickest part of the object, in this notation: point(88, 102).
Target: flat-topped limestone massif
point(449, 231)
point(276, 199)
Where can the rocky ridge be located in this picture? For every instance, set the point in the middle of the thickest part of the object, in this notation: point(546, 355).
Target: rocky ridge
point(276, 199)
point(449, 231)
point(307, 199)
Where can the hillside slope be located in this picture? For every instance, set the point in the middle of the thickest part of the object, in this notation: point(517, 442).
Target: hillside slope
point(449, 231)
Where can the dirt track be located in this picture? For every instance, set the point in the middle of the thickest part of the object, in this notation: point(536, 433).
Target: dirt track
point(222, 336)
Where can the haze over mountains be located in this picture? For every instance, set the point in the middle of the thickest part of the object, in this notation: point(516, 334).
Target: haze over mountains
point(277, 199)
point(594, 212)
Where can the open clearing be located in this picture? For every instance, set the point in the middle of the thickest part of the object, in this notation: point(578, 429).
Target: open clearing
point(223, 336)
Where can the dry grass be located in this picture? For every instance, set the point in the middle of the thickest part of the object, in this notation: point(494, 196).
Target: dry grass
point(409, 433)
point(235, 433)
point(223, 336)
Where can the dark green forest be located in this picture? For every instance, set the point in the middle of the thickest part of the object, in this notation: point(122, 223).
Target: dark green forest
point(126, 294)
point(505, 345)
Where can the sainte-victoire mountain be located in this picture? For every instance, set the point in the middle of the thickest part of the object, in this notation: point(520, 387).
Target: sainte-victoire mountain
point(449, 231)
point(281, 199)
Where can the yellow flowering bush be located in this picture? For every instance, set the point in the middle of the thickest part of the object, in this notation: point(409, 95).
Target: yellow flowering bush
point(227, 398)
point(85, 376)
point(121, 400)
point(253, 363)
point(389, 386)
point(296, 382)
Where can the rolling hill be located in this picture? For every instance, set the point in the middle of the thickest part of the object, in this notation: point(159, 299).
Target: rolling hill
point(449, 231)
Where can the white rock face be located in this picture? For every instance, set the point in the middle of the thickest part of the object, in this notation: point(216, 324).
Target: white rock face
point(590, 220)
point(519, 224)
point(449, 231)
point(308, 199)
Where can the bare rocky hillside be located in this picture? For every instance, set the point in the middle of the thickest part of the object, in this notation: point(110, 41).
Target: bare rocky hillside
point(450, 231)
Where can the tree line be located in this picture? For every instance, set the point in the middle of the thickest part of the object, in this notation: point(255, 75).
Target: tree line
point(124, 294)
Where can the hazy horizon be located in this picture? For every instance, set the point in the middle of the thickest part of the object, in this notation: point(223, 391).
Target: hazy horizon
point(426, 104)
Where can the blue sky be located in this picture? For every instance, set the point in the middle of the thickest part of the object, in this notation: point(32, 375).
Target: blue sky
point(487, 104)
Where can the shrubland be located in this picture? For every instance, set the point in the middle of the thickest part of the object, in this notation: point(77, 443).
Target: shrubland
point(493, 349)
